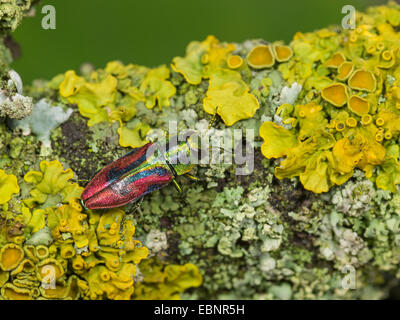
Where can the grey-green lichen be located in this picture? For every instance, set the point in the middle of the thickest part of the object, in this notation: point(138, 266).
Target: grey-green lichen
point(13, 103)
point(41, 237)
point(252, 237)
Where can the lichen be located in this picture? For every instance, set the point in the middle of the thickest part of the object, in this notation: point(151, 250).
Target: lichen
point(165, 282)
point(62, 251)
point(12, 103)
point(225, 236)
point(8, 186)
point(12, 13)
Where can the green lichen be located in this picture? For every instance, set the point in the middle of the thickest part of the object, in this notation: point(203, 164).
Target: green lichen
point(43, 119)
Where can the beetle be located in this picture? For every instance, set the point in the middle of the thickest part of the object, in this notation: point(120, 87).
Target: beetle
point(139, 172)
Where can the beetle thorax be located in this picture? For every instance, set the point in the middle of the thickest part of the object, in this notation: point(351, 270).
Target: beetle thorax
point(179, 157)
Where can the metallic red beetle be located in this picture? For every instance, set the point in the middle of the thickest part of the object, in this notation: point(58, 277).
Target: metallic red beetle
point(139, 172)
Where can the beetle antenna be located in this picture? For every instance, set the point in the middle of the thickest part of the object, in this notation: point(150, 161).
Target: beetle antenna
point(166, 134)
point(213, 119)
point(81, 180)
point(83, 205)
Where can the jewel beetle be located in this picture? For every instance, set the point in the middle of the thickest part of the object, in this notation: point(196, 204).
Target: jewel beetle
point(139, 172)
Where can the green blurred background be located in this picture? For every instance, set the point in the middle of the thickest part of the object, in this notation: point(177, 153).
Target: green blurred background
point(152, 32)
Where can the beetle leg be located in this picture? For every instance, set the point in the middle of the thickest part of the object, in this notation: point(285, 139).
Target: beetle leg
point(154, 139)
point(138, 204)
point(177, 185)
point(191, 177)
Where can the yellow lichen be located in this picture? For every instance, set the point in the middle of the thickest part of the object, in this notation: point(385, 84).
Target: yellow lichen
point(82, 255)
point(322, 154)
point(4, 276)
point(165, 282)
point(156, 89)
point(366, 119)
point(113, 285)
point(362, 80)
point(49, 266)
point(90, 97)
point(282, 53)
point(351, 122)
point(12, 292)
point(191, 66)
point(336, 60)
point(10, 256)
point(336, 93)
point(340, 126)
point(62, 290)
point(216, 57)
point(270, 132)
point(112, 94)
point(235, 61)
point(51, 184)
point(41, 252)
point(202, 59)
point(389, 177)
point(345, 70)
point(133, 135)
point(95, 255)
point(229, 96)
point(26, 266)
point(358, 105)
point(261, 57)
point(8, 186)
